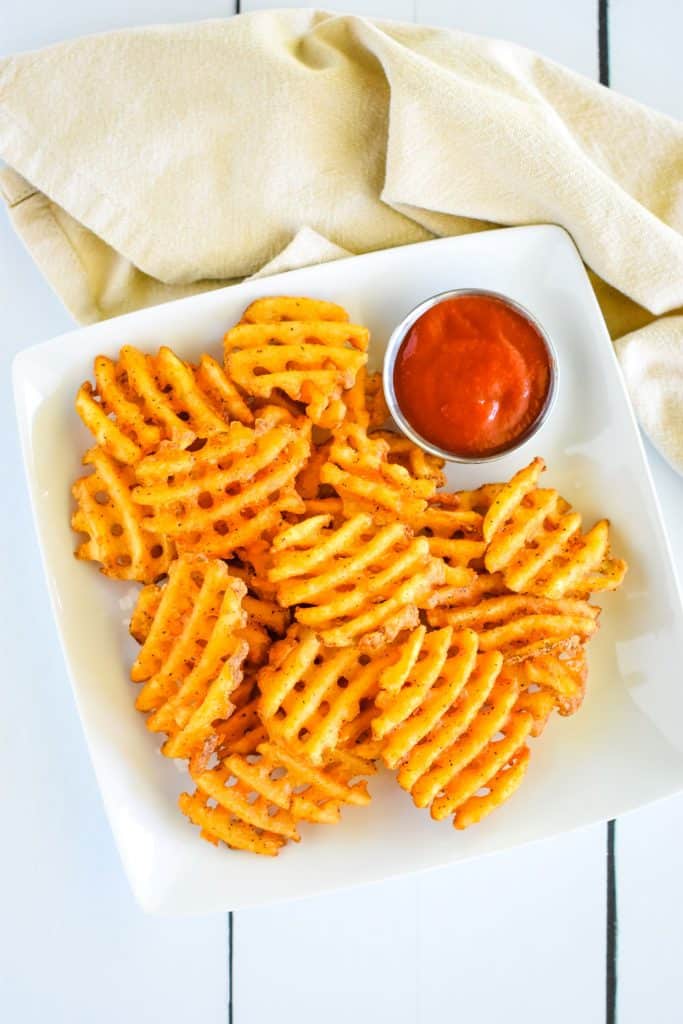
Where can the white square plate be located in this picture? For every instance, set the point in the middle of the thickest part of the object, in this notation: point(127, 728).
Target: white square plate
point(623, 749)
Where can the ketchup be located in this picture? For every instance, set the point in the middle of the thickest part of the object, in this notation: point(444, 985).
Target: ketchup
point(472, 375)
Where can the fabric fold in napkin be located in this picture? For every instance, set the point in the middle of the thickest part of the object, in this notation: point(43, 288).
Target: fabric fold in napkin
point(148, 164)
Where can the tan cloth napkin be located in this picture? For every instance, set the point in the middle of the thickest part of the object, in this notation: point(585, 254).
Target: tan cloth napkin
point(152, 163)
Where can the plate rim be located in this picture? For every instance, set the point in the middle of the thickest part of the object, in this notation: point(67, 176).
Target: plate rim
point(21, 376)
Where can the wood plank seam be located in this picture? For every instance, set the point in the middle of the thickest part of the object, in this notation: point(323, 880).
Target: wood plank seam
point(611, 872)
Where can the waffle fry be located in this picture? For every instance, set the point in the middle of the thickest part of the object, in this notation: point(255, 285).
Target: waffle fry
point(356, 739)
point(454, 537)
point(442, 706)
point(277, 309)
point(534, 538)
point(523, 627)
point(243, 732)
point(418, 463)
point(251, 565)
point(259, 802)
point(227, 494)
point(562, 678)
point(360, 584)
point(310, 692)
point(319, 498)
point(141, 400)
point(191, 657)
point(264, 619)
point(405, 715)
point(114, 523)
point(325, 608)
point(365, 402)
point(145, 609)
point(360, 473)
point(310, 361)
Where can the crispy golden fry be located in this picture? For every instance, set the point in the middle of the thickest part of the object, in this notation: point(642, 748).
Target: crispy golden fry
point(309, 481)
point(319, 498)
point(264, 619)
point(243, 732)
point(356, 739)
point(309, 692)
point(455, 535)
point(267, 613)
point(534, 538)
point(459, 592)
point(192, 654)
point(325, 607)
point(259, 802)
point(375, 402)
point(405, 714)
point(310, 361)
point(454, 525)
point(561, 677)
point(418, 463)
point(222, 393)
point(521, 626)
point(141, 400)
point(360, 473)
point(115, 524)
point(226, 494)
point(360, 584)
point(275, 309)
point(445, 519)
point(365, 402)
point(252, 564)
point(479, 500)
point(442, 706)
point(145, 609)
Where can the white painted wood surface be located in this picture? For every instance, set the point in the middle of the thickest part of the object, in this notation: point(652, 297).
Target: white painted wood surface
point(645, 64)
point(490, 940)
point(520, 935)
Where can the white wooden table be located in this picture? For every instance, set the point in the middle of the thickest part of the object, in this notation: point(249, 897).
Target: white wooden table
point(536, 935)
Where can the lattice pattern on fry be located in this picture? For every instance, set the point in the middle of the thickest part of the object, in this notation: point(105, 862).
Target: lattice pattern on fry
point(359, 584)
point(228, 493)
point(325, 609)
point(140, 400)
point(309, 361)
point(114, 523)
point(264, 619)
point(310, 692)
point(451, 725)
point(260, 801)
point(534, 538)
point(522, 626)
point(360, 472)
point(192, 654)
point(454, 530)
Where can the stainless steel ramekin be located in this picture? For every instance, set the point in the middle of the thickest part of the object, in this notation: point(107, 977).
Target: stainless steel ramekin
point(395, 342)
